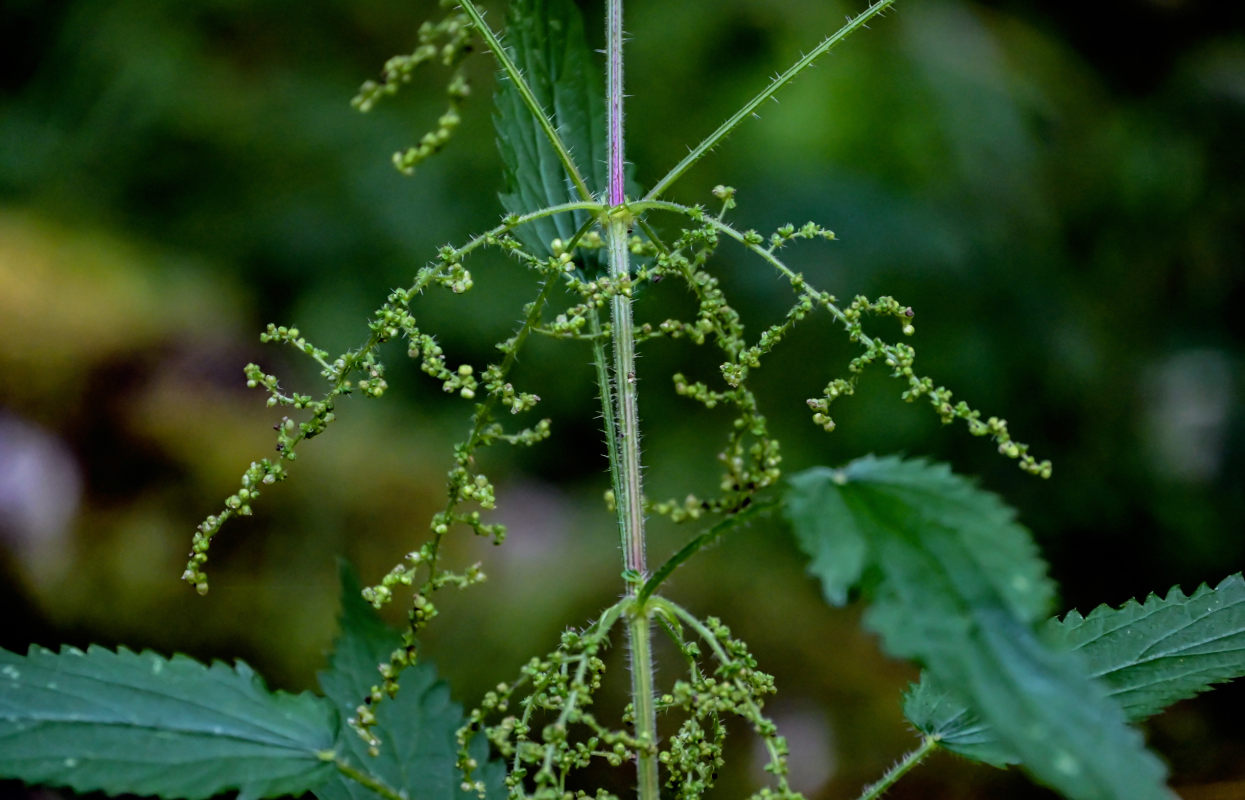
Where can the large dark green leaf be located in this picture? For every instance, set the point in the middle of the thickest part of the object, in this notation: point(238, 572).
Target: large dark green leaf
point(546, 40)
point(1148, 655)
point(957, 585)
point(139, 723)
point(417, 728)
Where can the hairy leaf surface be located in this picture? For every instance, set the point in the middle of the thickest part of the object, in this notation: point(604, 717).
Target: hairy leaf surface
point(546, 40)
point(140, 723)
point(1148, 655)
point(957, 585)
point(418, 751)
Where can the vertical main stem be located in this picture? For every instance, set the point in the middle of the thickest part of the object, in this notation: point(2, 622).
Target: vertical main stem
point(626, 414)
point(614, 97)
point(631, 514)
point(627, 420)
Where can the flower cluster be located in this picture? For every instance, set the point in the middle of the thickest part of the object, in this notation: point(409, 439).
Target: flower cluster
point(447, 41)
point(693, 755)
point(543, 726)
point(543, 723)
point(899, 357)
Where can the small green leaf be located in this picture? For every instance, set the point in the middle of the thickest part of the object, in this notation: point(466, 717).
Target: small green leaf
point(139, 723)
point(418, 752)
point(957, 585)
point(546, 41)
point(1148, 655)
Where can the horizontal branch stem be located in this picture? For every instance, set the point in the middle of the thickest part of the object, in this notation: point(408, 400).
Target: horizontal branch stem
point(719, 529)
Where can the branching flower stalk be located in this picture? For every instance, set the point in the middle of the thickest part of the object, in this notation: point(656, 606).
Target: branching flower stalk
point(542, 723)
point(955, 582)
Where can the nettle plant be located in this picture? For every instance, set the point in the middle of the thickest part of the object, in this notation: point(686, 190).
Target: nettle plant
point(951, 580)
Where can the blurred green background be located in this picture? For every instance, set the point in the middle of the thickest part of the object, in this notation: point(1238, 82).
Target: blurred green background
point(1057, 189)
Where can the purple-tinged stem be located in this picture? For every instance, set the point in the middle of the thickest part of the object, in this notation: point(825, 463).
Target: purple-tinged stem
point(627, 420)
point(614, 95)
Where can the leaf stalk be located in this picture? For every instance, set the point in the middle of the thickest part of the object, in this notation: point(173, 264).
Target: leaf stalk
point(367, 780)
point(749, 108)
point(928, 745)
point(529, 99)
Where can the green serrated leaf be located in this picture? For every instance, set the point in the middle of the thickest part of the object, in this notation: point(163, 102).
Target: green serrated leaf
point(546, 41)
point(417, 728)
point(1147, 655)
point(815, 510)
point(1155, 653)
point(140, 723)
point(957, 585)
point(937, 712)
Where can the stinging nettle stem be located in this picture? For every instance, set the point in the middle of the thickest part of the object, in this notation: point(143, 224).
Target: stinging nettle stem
point(902, 767)
point(614, 96)
point(626, 418)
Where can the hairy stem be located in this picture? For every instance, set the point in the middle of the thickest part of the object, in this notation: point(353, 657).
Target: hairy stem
point(529, 99)
point(606, 389)
point(721, 528)
point(749, 108)
point(368, 780)
point(928, 745)
point(614, 97)
point(626, 416)
point(630, 497)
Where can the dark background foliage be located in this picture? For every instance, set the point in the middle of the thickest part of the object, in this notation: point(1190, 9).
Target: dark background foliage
point(1057, 189)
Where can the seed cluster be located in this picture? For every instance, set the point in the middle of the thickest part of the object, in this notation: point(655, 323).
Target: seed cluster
point(899, 357)
point(447, 41)
point(543, 726)
point(542, 723)
point(693, 756)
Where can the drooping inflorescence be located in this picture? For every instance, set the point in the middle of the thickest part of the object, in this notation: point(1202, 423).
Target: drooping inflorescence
point(900, 357)
point(569, 304)
point(543, 724)
point(448, 42)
